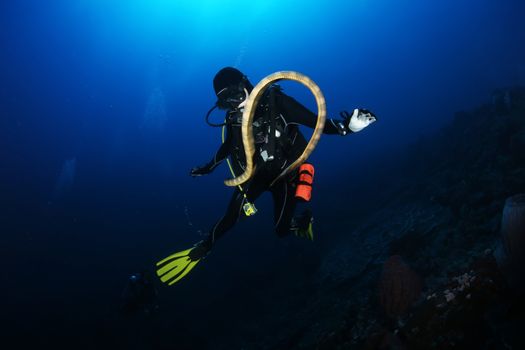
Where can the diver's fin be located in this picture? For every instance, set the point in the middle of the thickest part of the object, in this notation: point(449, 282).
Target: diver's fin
point(302, 226)
point(310, 231)
point(175, 267)
point(307, 232)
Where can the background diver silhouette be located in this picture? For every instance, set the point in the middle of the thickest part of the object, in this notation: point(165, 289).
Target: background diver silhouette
point(274, 151)
point(139, 295)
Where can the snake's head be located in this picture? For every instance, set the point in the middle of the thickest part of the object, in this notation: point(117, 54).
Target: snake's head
point(243, 103)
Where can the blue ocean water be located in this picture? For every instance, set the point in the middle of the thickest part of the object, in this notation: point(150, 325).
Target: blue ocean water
point(102, 109)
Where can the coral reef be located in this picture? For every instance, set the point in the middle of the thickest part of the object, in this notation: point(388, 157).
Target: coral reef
point(513, 229)
point(447, 217)
point(399, 287)
point(452, 315)
point(510, 253)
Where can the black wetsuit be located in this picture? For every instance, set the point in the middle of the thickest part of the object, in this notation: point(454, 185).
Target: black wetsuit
point(289, 145)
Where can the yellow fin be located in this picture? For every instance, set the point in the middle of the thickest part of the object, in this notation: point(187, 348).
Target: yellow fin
point(172, 268)
point(185, 272)
point(175, 255)
point(175, 267)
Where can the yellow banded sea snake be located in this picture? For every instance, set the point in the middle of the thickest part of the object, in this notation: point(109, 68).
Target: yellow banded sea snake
point(249, 112)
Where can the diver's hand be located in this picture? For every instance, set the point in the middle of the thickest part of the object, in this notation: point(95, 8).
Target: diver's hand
point(200, 171)
point(359, 119)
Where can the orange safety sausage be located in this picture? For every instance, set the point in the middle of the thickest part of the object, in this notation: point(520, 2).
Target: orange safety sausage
point(305, 182)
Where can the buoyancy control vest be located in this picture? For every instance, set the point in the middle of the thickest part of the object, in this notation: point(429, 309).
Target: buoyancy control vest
point(273, 138)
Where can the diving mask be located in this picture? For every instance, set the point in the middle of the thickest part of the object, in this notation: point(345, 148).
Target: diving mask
point(232, 97)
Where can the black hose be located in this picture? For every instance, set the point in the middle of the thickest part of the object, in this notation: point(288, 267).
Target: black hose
point(208, 118)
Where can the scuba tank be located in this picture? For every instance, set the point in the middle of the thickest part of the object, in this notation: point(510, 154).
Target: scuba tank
point(305, 181)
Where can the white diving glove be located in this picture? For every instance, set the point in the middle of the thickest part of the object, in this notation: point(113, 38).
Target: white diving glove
point(359, 119)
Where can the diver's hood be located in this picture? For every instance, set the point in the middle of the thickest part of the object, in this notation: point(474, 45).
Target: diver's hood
point(228, 77)
point(230, 85)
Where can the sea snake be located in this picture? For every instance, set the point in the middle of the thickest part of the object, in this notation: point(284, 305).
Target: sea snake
point(249, 112)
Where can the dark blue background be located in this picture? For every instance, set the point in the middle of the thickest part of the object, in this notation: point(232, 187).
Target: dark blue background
point(75, 81)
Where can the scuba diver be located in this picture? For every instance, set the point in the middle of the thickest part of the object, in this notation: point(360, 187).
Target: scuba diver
point(139, 295)
point(278, 143)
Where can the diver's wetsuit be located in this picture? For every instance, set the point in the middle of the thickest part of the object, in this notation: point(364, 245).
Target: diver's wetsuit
point(290, 144)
